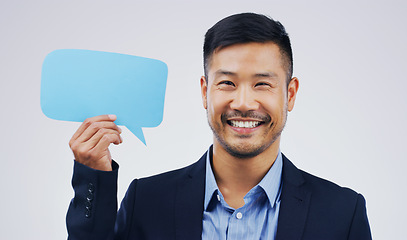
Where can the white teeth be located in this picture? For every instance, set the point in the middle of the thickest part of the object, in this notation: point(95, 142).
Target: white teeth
point(245, 124)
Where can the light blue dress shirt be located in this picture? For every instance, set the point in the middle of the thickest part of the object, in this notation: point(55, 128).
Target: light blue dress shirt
point(257, 219)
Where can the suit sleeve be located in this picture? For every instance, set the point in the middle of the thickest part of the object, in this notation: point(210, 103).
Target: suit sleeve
point(360, 229)
point(92, 212)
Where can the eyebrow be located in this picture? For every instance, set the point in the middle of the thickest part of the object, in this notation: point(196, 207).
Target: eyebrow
point(266, 75)
point(222, 72)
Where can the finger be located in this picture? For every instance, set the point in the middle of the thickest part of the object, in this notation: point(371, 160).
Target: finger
point(88, 122)
point(92, 136)
point(87, 150)
point(105, 141)
point(98, 127)
point(96, 137)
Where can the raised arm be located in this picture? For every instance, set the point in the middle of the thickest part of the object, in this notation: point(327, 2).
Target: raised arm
point(92, 212)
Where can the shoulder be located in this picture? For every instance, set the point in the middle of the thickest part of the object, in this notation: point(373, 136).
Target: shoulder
point(326, 187)
point(175, 175)
point(332, 210)
point(314, 183)
point(167, 181)
point(158, 200)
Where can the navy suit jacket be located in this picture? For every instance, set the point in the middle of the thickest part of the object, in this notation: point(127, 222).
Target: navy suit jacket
point(170, 206)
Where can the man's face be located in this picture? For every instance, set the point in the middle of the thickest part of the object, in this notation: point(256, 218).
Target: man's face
point(246, 97)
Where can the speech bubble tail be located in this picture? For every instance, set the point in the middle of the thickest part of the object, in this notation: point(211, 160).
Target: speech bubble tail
point(138, 132)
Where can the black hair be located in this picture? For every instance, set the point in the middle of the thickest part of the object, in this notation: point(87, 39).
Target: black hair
point(246, 28)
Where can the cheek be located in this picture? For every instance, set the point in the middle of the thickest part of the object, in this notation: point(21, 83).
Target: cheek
point(274, 105)
point(216, 103)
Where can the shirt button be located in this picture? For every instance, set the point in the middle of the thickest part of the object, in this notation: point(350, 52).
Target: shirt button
point(239, 215)
point(218, 197)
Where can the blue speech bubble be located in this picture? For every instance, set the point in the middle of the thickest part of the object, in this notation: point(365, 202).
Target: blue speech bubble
point(78, 84)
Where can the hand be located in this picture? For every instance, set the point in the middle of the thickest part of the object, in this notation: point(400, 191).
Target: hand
point(90, 143)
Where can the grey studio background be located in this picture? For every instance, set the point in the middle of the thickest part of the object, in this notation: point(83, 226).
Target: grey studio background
point(348, 124)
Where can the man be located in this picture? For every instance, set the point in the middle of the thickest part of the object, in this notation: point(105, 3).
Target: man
point(243, 187)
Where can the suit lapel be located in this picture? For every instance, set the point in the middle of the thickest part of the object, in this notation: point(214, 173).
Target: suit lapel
point(295, 199)
point(189, 202)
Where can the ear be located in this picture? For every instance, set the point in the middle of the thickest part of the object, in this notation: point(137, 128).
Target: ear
point(292, 93)
point(204, 91)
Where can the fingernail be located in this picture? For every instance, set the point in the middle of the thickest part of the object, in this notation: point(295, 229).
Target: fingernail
point(112, 116)
point(120, 130)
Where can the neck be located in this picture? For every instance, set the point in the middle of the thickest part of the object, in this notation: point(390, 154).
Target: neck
point(236, 176)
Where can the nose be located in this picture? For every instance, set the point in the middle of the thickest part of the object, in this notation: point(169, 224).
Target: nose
point(244, 99)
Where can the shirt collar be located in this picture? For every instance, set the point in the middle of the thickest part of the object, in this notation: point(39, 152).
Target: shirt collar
point(271, 182)
point(210, 182)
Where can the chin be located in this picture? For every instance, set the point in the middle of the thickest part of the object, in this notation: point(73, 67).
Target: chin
point(243, 150)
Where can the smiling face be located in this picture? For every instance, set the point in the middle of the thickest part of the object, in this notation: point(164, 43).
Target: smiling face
point(246, 98)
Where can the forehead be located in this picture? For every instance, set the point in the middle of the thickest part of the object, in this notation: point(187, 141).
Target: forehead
point(248, 58)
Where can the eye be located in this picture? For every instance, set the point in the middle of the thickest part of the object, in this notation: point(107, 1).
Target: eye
point(226, 82)
point(263, 84)
point(226, 85)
